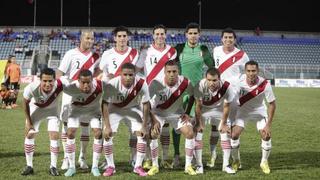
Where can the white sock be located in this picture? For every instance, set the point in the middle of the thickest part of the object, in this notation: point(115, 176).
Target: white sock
point(154, 152)
point(165, 141)
point(189, 147)
point(29, 150)
point(235, 144)
point(141, 151)
point(266, 149)
point(84, 141)
point(64, 137)
point(108, 153)
point(133, 146)
point(71, 152)
point(97, 149)
point(213, 142)
point(198, 148)
point(226, 148)
point(54, 151)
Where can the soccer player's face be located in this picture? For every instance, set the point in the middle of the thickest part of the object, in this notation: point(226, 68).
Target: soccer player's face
point(159, 36)
point(171, 74)
point(87, 40)
point(251, 72)
point(46, 83)
point(85, 84)
point(121, 38)
point(13, 60)
point(228, 40)
point(213, 82)
point(193, 36)
point(127, 77)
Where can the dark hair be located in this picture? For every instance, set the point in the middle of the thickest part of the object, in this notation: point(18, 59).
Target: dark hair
point(120, 28)
point(159, 26)
point(48, 71)
point(171, 63)
point(193, 25)
point(85, 73)
point(229, 30)
point(213, 71)
point(4, 84)
point(128, 66)
point(251, 62)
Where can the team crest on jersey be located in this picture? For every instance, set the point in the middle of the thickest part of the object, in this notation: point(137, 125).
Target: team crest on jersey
point(206, 97)
point(41, 100)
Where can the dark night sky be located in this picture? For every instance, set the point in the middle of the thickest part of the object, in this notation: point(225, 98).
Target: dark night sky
point(281, 15)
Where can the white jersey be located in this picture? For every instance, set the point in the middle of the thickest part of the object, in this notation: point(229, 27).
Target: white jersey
point(40, 99)
point(213, 101)
point(151, 58)
point(237, 67)
point(74, 60)
point(82, 103)
point(118, 96)
point(163, 102)
point(253, 106)
point(112, 60)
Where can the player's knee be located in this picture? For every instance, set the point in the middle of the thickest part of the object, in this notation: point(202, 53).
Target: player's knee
point(266, 145)
point(71, 133)
point(54, 135)
point(235, 143)
point(30, 135)
point(97, 133)
point(189, 134)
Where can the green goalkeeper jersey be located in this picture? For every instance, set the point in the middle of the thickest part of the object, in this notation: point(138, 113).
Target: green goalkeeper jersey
point(192, 60)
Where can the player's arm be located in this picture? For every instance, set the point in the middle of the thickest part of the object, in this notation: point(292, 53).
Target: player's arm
point(271, 110)
point(208, 60)
point(59, 73)
point(190, 104)
point(198, 114)
point(26, 108)
point(106, 122)
point(223, 123)
point(146, 114)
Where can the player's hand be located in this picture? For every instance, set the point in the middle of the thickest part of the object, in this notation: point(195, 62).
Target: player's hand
point(107, 133)
point(185, 118)
point(155, 130)
point(110, 75)
point(28, 127)
point(266, 131)
point(143, 132)
point(199, 127)
point(223, 128)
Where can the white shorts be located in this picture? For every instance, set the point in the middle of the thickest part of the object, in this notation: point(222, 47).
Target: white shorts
point(132, 118)
point(38, 114)
point(94, 119)
point(174, 120)
point(261, 121)
point(211, 117)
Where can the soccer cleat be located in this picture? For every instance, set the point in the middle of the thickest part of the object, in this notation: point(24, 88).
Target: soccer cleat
point(199, 169)
point(166, 165)
point(28, 170)
point(189, 170)
point(8, 107)
point(104, 165)
point(83, 164)
point(212, 161)
point(154, 170)
point(53, 171)
point(95, 171)
point(228, 169)
point(236, 165)
point(65, 164)
point(147, 164)
point(139, 170)
point(70, 172)
point(176, 161)
point(109, 171)
point(265, 167)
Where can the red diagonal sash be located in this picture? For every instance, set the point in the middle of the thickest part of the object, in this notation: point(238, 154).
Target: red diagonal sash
point(221, 92)
point(174, 96)
point(128, 59)
point(157, 68)
point(92, 97)
point(132, 94)
point(229, 62)
point(53, 95)
point(86, 65)
point(255, 92)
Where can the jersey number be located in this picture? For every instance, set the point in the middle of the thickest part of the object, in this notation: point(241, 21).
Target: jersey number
point(115, 65)
point(120, 98)
point(78, 64)
point(153, 61)
point(163, 97)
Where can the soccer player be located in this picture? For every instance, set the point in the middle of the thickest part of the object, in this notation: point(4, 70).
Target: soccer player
point(230, 61)
point(154, 59)
point(252, 91)
point(111, 62)
point(192, 56)
point(86, 94)
point(167, 100)
point(121, 101)
point(213, 99)
point(72, 63)
point(40, 102)
point(14, 74)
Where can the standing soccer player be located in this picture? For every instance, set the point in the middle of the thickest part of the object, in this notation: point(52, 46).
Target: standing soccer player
point(40, 102)
point(252, 91)
point(230, 61)
point(122, 100)
point(167, 100)
point(72, 63)
point(86, 94)
point(213, 99)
